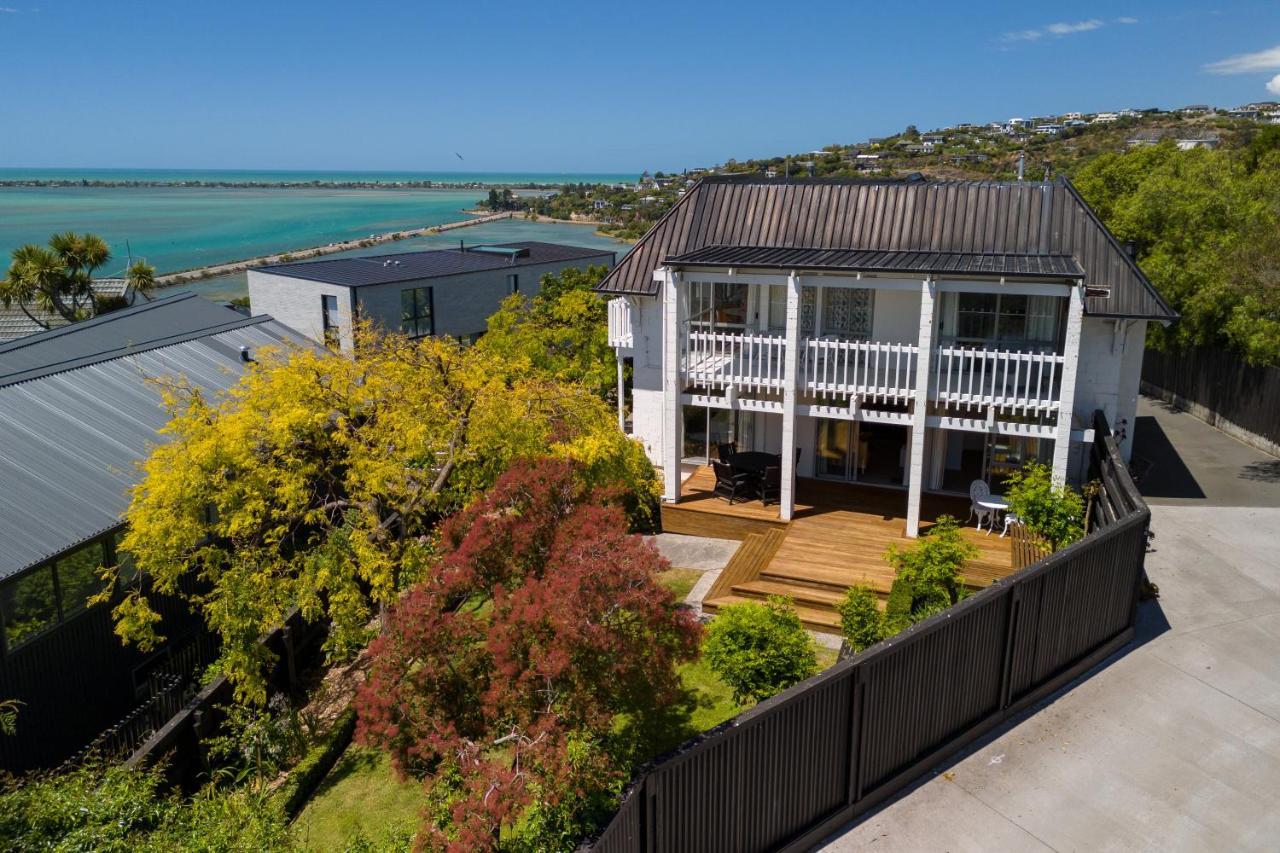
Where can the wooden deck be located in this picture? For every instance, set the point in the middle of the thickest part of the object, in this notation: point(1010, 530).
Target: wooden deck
point(837, 539)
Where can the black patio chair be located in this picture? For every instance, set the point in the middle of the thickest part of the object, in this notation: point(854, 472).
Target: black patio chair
point(726, 450)
point(771, 485)
point(733, 485)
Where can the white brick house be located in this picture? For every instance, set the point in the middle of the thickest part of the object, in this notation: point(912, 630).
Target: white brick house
point(917, 335)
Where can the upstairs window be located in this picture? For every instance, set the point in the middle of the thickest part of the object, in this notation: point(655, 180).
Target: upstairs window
point(329, 320)
point(1007, 321)
point(717, 305)
point(513, 283)
point(416, 318)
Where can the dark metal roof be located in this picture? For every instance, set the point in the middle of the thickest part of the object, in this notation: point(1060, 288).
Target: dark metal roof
point(971, 217)
point(410, 266)
point(957, 263)
point(160, 322)
point(72, 431)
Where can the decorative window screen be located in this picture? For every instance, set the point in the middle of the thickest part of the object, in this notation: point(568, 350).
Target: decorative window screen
point(846, 312)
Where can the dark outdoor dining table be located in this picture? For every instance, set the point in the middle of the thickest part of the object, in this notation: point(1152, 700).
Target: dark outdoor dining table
point(754, 461)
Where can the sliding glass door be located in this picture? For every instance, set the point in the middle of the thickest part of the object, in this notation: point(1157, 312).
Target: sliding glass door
point(836, 457)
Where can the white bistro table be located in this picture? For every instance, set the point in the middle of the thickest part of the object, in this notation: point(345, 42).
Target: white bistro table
point(995, 503)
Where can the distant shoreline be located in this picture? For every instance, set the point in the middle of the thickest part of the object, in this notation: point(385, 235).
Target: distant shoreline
point(214, 270)
point(552, 220)
point(59, 183)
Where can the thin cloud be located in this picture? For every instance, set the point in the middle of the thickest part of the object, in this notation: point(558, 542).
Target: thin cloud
point(1247, 63)
point(1061, 28)
point(6, 10)
point(1078, 27)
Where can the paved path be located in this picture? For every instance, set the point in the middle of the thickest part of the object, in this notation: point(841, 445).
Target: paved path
point(1174, 744)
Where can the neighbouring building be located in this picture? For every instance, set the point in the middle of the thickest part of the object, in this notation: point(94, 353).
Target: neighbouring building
point(439, 292)
point(19, 320)
point(914, 334)
point(79, 409)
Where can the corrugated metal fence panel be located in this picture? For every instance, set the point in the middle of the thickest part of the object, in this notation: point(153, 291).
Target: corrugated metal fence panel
point(929, 687)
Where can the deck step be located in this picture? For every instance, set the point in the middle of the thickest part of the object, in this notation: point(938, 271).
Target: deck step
point(814, 618)
point(752, 556)
point(806, 595)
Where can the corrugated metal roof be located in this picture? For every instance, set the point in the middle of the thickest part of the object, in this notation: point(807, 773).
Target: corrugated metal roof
point(410, 266)
point(956, 263)
point(72, 436)
point(980, 217)
point(139, 327)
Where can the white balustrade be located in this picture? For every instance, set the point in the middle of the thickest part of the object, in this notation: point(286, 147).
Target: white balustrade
point(749, 360)
point(1025, 383)
point(620, 331)
point(877, 372)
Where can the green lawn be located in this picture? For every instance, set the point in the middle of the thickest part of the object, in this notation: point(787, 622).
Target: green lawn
point(679, 581)
point(361, 795)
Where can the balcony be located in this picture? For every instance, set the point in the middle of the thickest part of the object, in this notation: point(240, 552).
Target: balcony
point(621, 333)
point(1011, 381)
point(878, 373)
point(750, 361)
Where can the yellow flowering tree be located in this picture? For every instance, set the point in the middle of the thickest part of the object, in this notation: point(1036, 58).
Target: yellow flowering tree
point(316, 481)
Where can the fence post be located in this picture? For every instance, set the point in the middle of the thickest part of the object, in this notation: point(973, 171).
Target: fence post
point(1010, 643)
point(856, 702)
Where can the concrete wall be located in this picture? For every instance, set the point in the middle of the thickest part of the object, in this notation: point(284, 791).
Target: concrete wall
point(462, 303)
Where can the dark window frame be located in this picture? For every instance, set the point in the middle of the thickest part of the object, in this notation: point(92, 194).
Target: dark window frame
point(411, 324)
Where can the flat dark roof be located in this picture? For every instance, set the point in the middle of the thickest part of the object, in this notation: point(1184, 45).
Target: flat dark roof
point(1056, 266)
point(411, 266)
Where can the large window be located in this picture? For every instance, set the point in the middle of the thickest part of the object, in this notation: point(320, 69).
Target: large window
point(778, 309)
point(415, 312)
point(1007, 320)
point(705, 428)
point(717, 305)
point(39, 599)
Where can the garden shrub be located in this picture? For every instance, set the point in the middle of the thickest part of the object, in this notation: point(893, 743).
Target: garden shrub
point(115, 808)
point(759, 649)
point(861, 622)
point(1054, 513)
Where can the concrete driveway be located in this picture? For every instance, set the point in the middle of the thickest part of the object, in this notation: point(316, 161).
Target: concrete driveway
point(1174, 744)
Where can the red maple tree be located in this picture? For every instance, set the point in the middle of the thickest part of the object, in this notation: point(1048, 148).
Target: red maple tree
point(541, 623)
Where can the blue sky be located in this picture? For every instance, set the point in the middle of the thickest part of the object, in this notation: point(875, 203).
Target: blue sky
point(551, 86)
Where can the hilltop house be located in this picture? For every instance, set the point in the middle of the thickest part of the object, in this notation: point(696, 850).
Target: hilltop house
point(440, 292)
point(79, 409)
point(912, 334)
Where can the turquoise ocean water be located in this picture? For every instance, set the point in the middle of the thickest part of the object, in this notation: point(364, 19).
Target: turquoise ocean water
point(177, 228)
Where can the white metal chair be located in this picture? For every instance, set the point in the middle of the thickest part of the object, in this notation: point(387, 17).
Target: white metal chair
point(1009, 520)
point(978, 490)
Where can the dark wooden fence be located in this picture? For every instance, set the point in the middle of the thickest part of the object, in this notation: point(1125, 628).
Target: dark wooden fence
point(180, 741)
point(1242, 395)
point(79, 679)
point(794, 768)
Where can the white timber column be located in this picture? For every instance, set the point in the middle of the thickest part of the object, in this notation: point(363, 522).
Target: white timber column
point(1067, 396)
point(622, 393)
point(672, 423)
point(920, 408)
point(790, 369)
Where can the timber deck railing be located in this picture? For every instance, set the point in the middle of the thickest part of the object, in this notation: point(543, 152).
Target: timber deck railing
point(796, 767)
